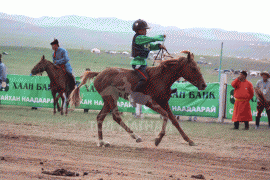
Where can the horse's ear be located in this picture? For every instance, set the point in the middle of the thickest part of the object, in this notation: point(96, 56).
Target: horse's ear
point(189, 55)
point(43, 57)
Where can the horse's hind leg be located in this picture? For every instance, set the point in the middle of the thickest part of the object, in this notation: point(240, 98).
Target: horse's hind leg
point(67, 103)
point(100, 118)
point(117, 118)
point(63, 101)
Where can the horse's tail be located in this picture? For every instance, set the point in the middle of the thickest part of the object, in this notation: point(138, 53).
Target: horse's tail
point(75, 97)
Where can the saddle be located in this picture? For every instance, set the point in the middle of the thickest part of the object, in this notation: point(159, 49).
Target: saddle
point(70, 77)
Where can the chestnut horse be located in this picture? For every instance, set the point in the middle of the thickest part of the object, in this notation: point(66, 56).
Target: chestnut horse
point(113, 83)
point(61, 81)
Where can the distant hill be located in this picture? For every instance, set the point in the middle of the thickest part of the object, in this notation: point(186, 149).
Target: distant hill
point(115, 34)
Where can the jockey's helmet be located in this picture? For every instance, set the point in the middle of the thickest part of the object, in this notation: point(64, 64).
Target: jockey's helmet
point(139, 25)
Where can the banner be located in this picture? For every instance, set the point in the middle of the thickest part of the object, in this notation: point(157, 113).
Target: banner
point(188, 101)
point(34, 91)
point(253, 104)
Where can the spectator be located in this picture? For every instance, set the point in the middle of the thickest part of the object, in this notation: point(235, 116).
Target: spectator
point(243, 93)
point(264, 86)
point(87, 69)
point(3, 73)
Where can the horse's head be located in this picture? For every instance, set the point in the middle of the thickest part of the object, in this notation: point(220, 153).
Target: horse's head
point(40, 67)
point(191, 71)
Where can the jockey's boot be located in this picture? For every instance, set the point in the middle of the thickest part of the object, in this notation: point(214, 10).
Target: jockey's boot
point(139, 86)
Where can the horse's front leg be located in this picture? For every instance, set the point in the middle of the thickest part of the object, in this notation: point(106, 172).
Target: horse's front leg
point(176, 124)
point(156, 107)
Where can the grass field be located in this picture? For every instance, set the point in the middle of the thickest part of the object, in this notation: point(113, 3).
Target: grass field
point(22, 59)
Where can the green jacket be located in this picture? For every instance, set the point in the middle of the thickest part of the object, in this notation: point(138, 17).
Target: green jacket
point(147, 42)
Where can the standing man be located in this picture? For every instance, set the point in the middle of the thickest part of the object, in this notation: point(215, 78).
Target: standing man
point(243, 93)
point(3, 73)
point(264, 86)
point(60, 56)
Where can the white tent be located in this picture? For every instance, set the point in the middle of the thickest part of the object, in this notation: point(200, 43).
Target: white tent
point(95, 50)
point(125, 52)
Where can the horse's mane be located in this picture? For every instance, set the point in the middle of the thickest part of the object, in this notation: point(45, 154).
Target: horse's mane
point(158, 70)
point(51, 63)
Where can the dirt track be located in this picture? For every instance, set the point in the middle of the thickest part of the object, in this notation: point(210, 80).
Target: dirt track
point(26, 149)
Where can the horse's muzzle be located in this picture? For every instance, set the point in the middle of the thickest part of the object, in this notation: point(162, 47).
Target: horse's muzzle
point(202, 86)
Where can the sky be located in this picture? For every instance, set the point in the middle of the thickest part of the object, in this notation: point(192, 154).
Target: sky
point(230, 15)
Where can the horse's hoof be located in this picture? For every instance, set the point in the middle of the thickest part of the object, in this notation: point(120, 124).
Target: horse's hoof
point(102, 143)
point(157, 141)
point(191, 143)
point(139, 140)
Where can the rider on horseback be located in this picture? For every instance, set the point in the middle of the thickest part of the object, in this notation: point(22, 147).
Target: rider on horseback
point(141, 46)
point(60, 56)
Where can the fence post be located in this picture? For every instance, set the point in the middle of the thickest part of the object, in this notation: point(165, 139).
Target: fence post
point(222, 97)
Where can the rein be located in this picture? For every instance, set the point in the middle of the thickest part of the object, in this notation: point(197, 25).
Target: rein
point(162, 54)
